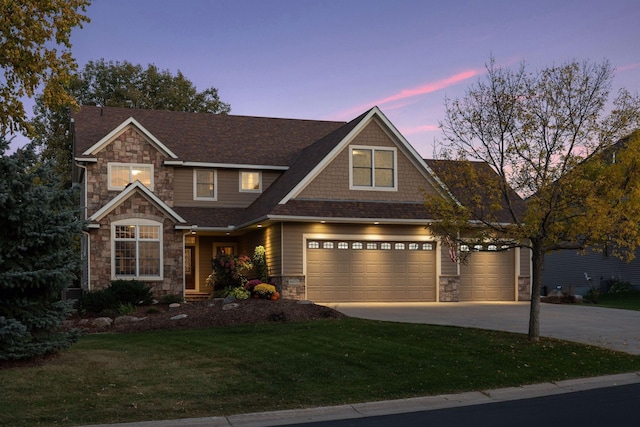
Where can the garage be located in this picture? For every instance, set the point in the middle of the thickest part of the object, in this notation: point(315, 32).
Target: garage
point(488, 276)
point(367, 271)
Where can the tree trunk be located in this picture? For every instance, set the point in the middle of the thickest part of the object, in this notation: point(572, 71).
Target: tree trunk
point(537, 259)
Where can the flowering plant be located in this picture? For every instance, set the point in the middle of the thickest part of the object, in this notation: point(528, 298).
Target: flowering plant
point(264, 290)
point(229, 270)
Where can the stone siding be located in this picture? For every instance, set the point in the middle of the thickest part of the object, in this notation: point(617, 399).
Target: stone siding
point(137, 206)
point(449, 289)
point(291, 287)
point(524, 288)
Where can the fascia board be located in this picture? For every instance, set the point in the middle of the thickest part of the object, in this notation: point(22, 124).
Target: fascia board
point(126, 193)
point(224, 165)
point(114, 133)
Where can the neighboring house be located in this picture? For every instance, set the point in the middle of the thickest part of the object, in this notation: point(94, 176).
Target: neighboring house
point(579, 271)
point(337, 206)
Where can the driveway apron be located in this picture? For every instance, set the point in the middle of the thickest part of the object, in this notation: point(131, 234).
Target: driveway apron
point(603, 327)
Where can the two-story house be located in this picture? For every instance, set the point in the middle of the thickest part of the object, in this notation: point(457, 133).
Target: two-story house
point(337, 206)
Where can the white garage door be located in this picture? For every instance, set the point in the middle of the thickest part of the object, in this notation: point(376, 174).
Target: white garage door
point(488, 276)
point(363, 271)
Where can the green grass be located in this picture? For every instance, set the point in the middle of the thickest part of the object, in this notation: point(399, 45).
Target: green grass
point(107, 378)
point(625, 301)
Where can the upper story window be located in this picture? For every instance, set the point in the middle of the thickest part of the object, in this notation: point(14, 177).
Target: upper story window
point(373, 168)
point(123, 174)
point(204, 184)
point(251, 181)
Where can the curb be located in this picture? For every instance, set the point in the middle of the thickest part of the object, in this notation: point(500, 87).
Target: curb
point(389, 407)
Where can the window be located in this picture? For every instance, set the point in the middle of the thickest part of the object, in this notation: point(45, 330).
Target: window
point(312, 244)
point(373, 168)
point(372, 246)
point(427, 246)
point(385, 246)
point(343, 245)
point(356, 245)
point(327, 245)
point(414, 246)
point(123, 174)
point(250, 181)
point(136, 249)
point(399, 246)
point(204, 184)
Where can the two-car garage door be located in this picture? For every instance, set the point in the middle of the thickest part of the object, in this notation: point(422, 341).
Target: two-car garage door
point(365, 271)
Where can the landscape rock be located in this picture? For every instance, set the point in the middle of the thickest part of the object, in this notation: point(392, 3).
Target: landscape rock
point(174, 305)
point(230, 306)
point(102, 322)
point(179, 316)
point(127, 319)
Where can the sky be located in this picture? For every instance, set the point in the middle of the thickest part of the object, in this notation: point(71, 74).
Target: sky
point(335, 59)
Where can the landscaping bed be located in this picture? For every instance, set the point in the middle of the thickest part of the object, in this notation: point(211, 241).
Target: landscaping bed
point(204, 314)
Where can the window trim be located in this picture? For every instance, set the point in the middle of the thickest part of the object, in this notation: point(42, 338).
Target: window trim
point(215, 184)
point(373, 150)
point(131, 166)
point(243, 190)
point(137, 222)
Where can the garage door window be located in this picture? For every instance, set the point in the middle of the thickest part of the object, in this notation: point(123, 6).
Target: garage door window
point(343, 245)
point(327, 245)
point(372, 246)
point(427, 246)
point(356, 245)
point(312, 244)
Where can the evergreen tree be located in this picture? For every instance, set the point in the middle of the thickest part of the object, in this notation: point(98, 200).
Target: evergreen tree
point(39, 226)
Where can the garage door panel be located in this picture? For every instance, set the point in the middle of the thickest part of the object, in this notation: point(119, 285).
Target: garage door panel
point(367, 274)
point(488, 276)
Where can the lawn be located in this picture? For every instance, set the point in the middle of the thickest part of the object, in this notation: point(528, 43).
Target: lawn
point(626, 300)
point(107, 378)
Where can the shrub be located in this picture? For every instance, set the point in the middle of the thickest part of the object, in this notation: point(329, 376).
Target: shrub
point(126, 309)
point(618, 286)
point(171, 299)
point(229, 271)
point(238, 293)
point(119, 293)
point(592, 296)
point(98, 301)
point(131, 291)
point(264, 290)
point(260, 263)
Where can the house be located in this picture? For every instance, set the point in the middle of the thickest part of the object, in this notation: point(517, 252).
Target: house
point(337, 206)
point(579, 271)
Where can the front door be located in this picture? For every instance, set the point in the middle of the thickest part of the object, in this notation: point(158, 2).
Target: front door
point(190, 268)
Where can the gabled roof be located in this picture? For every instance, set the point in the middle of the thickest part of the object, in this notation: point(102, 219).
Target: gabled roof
point(136, 188)
point(206, 137)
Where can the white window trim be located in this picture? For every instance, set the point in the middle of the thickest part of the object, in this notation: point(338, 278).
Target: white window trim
point(373, 149)
point(242, 190)
point(137, 222)
point(215, 185)
point(131, 166)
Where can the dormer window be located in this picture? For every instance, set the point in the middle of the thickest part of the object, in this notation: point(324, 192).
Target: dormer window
point(250, 181)
point(373, 168)
point(123, 174)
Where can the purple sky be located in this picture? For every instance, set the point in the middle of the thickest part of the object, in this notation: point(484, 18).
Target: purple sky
point(333, 59)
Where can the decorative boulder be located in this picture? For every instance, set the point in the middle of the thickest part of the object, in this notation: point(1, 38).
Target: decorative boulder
point(230, 306)
point(102, 322)
point(179, 317)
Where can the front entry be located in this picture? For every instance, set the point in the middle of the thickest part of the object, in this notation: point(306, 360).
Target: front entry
point(190, 267)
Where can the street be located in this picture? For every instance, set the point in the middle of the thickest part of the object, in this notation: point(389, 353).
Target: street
point(612, 406)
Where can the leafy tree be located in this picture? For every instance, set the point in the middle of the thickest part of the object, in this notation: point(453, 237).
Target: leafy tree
point(40, 223)
point(546, 136)
point(31, 32)
point(117, 84)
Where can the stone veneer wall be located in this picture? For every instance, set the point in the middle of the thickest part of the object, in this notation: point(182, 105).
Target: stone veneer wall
point(128, 147)
point(524, 288)
point(449, 288)
point(291, 287)
point(138, 207)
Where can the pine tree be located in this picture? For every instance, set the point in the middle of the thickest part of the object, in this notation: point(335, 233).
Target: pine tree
point(39, 225)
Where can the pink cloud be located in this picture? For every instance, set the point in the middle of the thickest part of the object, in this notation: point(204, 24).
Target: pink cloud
point(413, 92)
point(419, 129)
point(628, 67)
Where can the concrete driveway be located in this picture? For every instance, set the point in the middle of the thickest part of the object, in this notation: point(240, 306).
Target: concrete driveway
point(603, 327)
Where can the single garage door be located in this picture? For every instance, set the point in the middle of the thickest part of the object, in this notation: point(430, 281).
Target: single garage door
point(365, 271)
point(488, 276)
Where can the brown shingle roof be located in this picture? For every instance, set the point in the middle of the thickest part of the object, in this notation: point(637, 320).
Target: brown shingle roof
point(205, 137)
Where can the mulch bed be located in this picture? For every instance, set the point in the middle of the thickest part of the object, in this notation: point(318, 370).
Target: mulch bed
point(206, 314)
